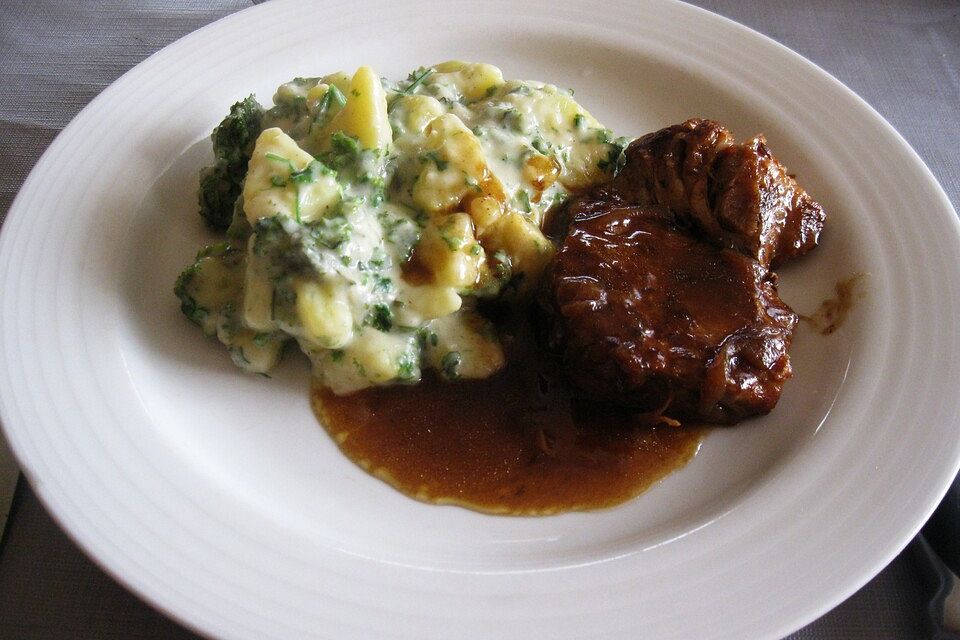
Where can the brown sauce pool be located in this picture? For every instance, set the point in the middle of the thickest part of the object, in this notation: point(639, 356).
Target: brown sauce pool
point(515, 443)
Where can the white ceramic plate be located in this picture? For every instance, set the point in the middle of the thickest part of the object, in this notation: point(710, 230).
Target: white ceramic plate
point(218, 498)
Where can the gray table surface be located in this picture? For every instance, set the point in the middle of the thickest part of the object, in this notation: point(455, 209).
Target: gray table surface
point(903, 57)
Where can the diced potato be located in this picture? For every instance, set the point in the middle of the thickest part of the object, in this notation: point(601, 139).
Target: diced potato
point(529, 250)
point(457, 167)
point(554, 109)
point(212, 284)
point(440, 190)
point(373, 358)
point(339, 79)
point(474, 80)
point(364, 116)
point(450, 66)
point(384, 357)
point(252, 351)
point(257, 294)
point(324, 313)
point(449, 251)
point(485, 211)
point(426, 302)
point(420, 110)
point(295, 89)
point(315, 98)
point(215, 283)
point(463, 345)
point(315, 95)
point(564, 124)
point(272, 188)
point(583, 167)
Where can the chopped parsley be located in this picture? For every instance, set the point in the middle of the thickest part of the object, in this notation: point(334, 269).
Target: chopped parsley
point(615, 157)
point(502, 266)
point(310, 173)
point(450, 364)
point(380, 317)
point(333, 100)
point(360, 369)
point(524, 198)
point(344, 145)
point(331, 232)
point(513, 119)
point(453, 242)
point(437, 160)
point(415, 79)
point(541, 145)
point(604, 136)
point(382, 284)
point(278, 158)
point(407, 365)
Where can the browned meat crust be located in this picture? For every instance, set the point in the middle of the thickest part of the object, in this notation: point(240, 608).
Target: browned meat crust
point(735, 195)
point(651, 318)
point(661, 296)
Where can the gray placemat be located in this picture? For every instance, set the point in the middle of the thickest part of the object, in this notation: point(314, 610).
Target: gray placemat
point(902, 57)
point(55, 57)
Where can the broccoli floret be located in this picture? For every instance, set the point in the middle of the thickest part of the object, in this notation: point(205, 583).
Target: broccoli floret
point(239, 228)
point(217, 195)
point(210, 292)
point(233, 140)
point(188, 304)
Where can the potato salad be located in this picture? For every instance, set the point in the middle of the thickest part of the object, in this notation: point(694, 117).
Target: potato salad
point(366, 219)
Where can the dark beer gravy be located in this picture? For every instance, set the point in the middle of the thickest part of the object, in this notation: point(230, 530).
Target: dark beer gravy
point(515, 443)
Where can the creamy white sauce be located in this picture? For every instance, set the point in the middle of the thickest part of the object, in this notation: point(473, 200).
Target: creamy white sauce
point(355, 182)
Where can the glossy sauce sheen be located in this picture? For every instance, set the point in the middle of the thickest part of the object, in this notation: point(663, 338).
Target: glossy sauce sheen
point(515, 443)
point(648, 316)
